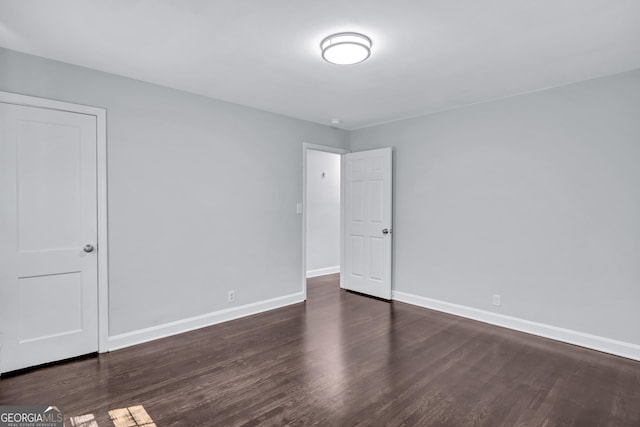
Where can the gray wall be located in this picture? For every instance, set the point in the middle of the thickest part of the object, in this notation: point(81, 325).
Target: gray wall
point(323, 210)
point(202, 193)
point(534, 197)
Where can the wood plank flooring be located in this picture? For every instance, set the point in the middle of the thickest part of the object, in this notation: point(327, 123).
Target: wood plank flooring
point(342, 359)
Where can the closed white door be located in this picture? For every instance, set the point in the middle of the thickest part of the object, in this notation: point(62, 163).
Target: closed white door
point(48, 233)
point(367, 224)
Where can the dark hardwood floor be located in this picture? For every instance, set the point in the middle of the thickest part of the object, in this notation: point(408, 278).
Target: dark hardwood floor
point(342, 359)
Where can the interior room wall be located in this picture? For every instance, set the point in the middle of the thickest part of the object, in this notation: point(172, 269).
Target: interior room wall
point(323, 213)
point(202, 193)
point(535, 198)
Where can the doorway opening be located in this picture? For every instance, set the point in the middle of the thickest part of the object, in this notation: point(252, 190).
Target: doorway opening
point(366, 184)
point(322, 211)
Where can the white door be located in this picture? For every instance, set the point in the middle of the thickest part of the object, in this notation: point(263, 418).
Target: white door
point(48, 214)
point(367, 224)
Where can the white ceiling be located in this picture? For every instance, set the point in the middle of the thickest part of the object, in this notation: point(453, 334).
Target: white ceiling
point(427, 55)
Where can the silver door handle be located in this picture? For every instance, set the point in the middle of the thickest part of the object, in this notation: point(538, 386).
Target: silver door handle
point(88, 248)
point(386, 231)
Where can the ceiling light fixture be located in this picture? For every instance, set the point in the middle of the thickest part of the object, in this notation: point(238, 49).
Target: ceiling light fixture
point(346, 48)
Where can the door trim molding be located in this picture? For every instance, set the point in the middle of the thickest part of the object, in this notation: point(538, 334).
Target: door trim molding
point(101, 170)
point(306, 146)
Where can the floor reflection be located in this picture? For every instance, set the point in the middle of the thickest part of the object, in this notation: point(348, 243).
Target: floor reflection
point(335, 354)
point(132, 416)
point(88, 420)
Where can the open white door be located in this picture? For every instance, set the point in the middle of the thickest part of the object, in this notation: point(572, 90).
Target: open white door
point(48, 229)
point(367, 222)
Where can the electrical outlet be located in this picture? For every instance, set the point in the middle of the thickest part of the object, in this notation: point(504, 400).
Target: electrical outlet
point(496, 300)
point(231, 297)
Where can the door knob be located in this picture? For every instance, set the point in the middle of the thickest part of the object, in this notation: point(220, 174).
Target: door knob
point(386, 231)
point(88, 248)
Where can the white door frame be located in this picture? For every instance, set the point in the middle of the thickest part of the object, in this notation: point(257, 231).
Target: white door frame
point(102, 244)
point(327, 149)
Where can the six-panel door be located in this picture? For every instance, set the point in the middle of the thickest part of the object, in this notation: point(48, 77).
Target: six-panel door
point(367, 222)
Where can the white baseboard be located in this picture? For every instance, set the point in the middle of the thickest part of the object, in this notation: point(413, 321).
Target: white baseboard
point(323, 271)
point(619, 348)
point(161, 331)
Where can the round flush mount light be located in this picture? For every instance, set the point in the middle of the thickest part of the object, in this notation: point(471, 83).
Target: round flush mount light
point(346, 48)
